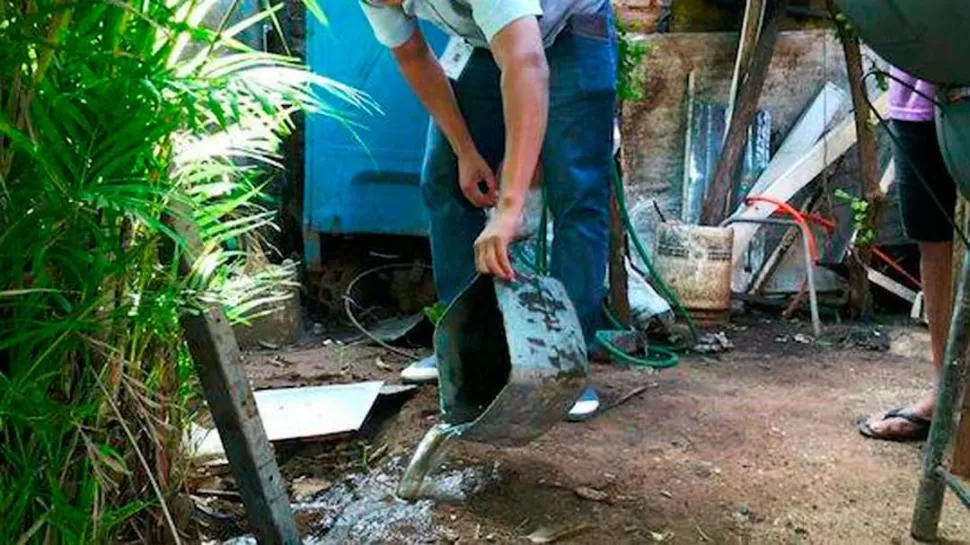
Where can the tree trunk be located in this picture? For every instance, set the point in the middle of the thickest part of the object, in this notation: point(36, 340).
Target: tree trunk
point(860, 300)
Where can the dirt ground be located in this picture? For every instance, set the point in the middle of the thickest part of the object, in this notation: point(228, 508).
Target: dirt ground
point(756, 445)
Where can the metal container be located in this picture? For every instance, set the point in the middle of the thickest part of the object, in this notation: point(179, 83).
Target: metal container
point(511, 360)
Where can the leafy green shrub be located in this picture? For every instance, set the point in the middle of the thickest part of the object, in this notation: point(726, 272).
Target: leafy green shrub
point(118, 122)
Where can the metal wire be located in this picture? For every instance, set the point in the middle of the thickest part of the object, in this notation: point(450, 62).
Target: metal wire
point(348, 300)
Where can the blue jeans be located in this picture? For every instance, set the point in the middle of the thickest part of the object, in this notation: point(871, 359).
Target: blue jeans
point(576, 160)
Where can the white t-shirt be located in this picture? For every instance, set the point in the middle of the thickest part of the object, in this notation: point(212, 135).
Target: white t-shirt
point(477, 21)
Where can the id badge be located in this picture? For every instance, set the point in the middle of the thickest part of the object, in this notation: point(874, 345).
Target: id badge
point(455, 58)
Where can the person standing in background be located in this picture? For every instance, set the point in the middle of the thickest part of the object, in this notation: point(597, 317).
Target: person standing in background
point(917, 155)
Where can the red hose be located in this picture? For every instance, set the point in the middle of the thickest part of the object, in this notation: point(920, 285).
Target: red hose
point(797, 216)
point(828, 225)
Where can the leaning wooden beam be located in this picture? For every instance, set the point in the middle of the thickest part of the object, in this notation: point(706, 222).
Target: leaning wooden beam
point(825, 152)
point(717, 202)
point(619, 281)
point(953, 378)
point(961, 445)
point(754, 12)
point(218, 363)
point(860, 299)
point(688, 142)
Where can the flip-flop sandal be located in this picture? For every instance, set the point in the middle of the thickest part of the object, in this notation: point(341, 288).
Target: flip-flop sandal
point(919, 432)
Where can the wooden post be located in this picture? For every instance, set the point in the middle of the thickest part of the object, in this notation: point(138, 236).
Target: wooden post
point(717, 203)
point(860, 304)
point(961, 444)
point(929, 496)
point(619, 281)
point(754, 13)
point(218, 363)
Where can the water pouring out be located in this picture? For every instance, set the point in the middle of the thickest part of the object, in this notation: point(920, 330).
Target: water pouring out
point(431, 450)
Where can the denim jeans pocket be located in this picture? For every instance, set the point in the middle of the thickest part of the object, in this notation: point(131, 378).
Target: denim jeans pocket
point(595, 26)
point(582, 64)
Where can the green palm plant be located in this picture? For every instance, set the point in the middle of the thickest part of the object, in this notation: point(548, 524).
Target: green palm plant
point(124, 123)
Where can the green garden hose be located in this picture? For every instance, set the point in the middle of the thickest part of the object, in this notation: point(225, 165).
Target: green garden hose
point(665, 291)
point(658, 357)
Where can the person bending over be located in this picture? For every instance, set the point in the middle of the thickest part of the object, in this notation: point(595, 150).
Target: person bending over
point(539, 81)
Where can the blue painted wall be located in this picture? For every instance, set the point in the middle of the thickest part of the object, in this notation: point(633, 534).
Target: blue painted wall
point(354, 189)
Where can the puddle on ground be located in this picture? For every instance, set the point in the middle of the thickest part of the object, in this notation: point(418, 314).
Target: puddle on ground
point(364, 509)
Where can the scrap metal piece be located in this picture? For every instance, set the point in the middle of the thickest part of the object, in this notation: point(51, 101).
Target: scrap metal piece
point(707, 128)
point(294, 413)
point(316, 411)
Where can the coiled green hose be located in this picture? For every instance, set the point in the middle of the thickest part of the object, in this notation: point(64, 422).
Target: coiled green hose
point(658, 357)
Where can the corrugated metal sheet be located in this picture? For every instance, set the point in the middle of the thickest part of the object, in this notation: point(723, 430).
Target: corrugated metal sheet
point(707, 139)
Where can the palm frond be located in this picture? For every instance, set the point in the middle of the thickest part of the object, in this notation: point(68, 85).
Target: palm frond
point(118, 122)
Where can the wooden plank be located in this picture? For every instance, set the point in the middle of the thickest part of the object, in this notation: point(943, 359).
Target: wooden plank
point(890, 285)
point(218, 363)
point(717, 202)
point(619, 281)
point(688, 142)
point(754, 12)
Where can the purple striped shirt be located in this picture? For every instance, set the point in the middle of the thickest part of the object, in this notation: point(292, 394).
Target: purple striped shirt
point(908, 98)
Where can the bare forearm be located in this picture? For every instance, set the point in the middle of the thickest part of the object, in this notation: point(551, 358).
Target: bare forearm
point(525, 92)
point(426, 77)
point(520, 54)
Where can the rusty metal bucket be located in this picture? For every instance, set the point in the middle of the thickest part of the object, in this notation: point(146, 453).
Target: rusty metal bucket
point(511, 360)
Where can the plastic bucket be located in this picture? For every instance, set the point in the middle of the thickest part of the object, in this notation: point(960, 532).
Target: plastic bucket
point(695, 261)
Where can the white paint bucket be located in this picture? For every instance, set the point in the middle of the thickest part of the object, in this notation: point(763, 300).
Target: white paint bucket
point(695, 261)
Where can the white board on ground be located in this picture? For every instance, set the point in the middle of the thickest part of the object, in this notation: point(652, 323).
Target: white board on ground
point(826, 151)
point(294, 413)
